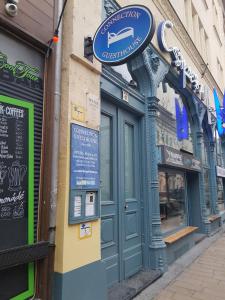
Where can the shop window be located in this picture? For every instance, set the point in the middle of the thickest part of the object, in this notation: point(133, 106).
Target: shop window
point(220, 192)
point(106, 161)
point(129, 161)
point(207, 190)
point(173, 120)
point(172, 200)
point(205, 152)
point(219, 151)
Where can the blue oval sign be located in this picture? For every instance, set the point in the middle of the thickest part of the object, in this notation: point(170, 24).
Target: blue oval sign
point(124, 34)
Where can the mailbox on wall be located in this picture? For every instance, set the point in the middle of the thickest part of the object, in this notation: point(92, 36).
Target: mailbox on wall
point(84, 174)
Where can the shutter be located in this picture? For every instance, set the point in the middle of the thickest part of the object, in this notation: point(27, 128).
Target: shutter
point(35, 96)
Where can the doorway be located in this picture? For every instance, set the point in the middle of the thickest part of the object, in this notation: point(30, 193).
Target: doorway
point(120, 144)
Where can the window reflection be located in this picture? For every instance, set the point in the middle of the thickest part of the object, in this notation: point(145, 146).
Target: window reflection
point(167, 119)
point(172, 200)
point(207, 190)
point(220, 192)
point(206, 173)
point(105, 157)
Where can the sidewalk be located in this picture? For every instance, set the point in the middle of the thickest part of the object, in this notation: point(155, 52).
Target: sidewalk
point(197, 275)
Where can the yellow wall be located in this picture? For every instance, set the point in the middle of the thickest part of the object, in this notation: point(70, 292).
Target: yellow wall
point(79, 79)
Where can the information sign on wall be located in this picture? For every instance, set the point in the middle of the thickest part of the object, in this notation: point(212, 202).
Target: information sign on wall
point(84, 158)
point(85, 230)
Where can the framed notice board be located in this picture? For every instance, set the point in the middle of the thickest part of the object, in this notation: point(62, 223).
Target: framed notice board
point(16, 192)
point(84, 174)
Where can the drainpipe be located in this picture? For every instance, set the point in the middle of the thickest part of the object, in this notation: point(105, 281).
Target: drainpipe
point(56, 128)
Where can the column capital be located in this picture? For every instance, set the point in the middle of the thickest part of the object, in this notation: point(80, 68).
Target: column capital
point(212, 146)
point(199, 134)
point(153, 104)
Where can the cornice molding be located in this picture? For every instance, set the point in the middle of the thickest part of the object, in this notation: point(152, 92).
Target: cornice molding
point(168, 12)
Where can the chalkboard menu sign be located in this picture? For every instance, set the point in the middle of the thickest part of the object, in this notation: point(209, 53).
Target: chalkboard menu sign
point(16, 176)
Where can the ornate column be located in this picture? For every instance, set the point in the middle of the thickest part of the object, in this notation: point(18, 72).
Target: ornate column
point(199, 150)
point(213, 181)
point(149, 70)
point(157, 245)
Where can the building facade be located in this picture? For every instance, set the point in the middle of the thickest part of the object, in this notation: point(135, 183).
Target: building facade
point(147, 130)
point(26, 99)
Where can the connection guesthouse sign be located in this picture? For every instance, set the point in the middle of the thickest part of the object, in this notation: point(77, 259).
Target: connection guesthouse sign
point(123, 35)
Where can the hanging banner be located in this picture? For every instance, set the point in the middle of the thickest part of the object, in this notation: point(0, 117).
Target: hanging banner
point(181, 121)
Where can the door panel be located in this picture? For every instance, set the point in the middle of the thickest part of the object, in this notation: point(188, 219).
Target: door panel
point(129, 191)
point(120, 193)
point(109, 203)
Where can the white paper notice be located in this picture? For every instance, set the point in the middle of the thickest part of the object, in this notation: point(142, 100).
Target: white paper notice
point(77, 206)
point(90, 205)
point(85, 230)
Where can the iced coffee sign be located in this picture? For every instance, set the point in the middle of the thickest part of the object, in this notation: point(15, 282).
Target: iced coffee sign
point(16, 160)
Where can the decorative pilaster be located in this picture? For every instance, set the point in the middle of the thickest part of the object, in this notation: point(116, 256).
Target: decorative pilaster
point(199, 150)
point(157, 245)
point(213, 181)
point(149, 70)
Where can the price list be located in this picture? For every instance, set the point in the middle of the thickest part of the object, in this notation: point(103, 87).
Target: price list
point(13, 161)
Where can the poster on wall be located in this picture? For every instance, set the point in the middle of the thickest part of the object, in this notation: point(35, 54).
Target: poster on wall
point(16, 188)
point(87, 111)
point(84, 158)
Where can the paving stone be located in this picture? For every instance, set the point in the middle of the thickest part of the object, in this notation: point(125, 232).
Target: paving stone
point(200, 277)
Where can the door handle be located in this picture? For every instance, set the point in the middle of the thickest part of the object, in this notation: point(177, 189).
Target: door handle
point(126, 206)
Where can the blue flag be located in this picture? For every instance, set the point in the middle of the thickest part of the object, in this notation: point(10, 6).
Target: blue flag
point(220, 113)
point(181, 121)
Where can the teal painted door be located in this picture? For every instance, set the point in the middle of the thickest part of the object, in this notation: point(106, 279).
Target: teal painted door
point(120, 193)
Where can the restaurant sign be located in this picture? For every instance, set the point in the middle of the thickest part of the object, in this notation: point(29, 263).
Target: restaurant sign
point(123, 35)
point(176, 158)
point(20, 69)
point(178, 61)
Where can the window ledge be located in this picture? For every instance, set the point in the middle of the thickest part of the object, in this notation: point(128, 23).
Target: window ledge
point(213, 218)
point(179, 234)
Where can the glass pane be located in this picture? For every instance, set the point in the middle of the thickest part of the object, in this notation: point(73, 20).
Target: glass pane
point(172, 200)
point(129, 161)
point(105, 158)
point(173, 122)
point(205, 157)
point(220, 193)
point(207, 191)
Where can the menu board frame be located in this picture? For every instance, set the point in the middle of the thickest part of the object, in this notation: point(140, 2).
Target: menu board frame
point(84, 170)
point(30, 108)
point(84, 174)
